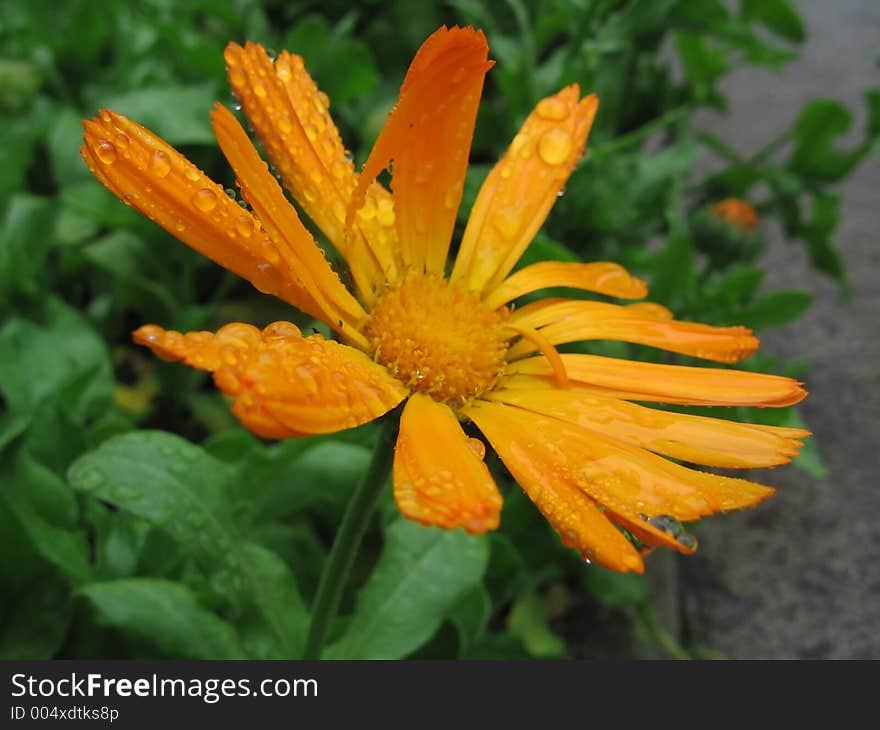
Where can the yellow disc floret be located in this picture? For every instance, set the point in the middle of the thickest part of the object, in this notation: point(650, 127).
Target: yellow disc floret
point(438, 338)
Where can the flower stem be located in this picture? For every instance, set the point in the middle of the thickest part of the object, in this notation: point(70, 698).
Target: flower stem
point(348, 539)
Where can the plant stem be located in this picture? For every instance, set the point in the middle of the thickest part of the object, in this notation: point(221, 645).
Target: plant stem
point(348, 539)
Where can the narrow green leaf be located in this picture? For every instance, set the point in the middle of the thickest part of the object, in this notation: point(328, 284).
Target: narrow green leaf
point(776, 309)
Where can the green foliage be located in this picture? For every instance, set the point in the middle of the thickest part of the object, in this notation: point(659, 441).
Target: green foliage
point(137, 519)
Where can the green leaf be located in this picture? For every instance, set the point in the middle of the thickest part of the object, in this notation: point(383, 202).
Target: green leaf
point(420, 576)
point(528, 621)
point(777, 15)
point(64, 140)
point(342, 66)
point(178, 487)
point(776, 309)
point(673, 268)
point(25, 240)
point(35, 620)
point(615, 590)
point(178, 114)
point(704, 65)
point(816, 130)
point(164, 614)
point(826, 216)
point(471, 615)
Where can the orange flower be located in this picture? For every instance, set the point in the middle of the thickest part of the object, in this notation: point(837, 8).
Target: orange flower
point(565, 425)
point(738, 213)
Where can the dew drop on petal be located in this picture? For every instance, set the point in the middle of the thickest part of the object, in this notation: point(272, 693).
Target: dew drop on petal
point(478, 447)
point(385, 212)
point(243, 226)
point(160, 164)
point(553, 109)
point(205, 200)
point(260, 90)
point(237, 76)
point(555, 146)
point(105, 152)
point(192, 174)
point(368, 211)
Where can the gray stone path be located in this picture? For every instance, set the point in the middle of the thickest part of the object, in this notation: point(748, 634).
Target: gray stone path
point(799, 576)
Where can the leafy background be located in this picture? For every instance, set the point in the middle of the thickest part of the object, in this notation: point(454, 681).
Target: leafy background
point(138, 520)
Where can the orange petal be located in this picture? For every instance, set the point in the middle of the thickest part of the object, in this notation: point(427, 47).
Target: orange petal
point(439, 475)
point(627, 480)
point(283, 384)
point(292, 120)
point(145, 172)
point(521, 189)
point(701, 440)
point(653, 382)
point(575, 516)
point(602, 277)
point(428, 136)
point(573, 320)
point(259, 188)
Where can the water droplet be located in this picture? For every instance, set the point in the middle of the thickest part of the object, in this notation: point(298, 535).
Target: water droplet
point(243, 226)
point(687, 541)
point(508, 221)
point(205, 200)
point(192, 174)
point(478, 447)
point(560, 192)
point(667, 523)
point(311, 133)
point(160, 164)
point(555, 146)
point(237, 76)
point(122, 141)
point(553, 109)
point(260, 90)
point(385, 212)
point(270, 253)
point(230, 193)
point(284, 124)
point(89, 479)
point(368, 211)
point(179, 225)
point(105, 152)
point(452, 198)
point(282, 70)
point(271, 53)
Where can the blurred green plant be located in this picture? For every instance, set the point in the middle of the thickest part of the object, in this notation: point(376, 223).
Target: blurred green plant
point(138, 520)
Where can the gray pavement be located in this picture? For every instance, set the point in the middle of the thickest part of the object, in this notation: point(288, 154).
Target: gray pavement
point(798, 577)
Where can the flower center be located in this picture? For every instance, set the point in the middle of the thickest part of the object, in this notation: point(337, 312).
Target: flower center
point(438, 338)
